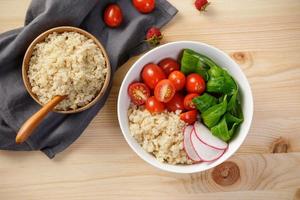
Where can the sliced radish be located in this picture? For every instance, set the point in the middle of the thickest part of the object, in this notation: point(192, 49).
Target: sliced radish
point(205, 153)
point(187, 144)
point(205, 136)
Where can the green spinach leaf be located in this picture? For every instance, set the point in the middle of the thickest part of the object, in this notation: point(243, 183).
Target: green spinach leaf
point(232, 101)
point(220, 81)
point(226, 127)
point(234, 106)
point(205, 101)
point(230, 86)
point(190, 63)
point(213, 114)
point(221, 130)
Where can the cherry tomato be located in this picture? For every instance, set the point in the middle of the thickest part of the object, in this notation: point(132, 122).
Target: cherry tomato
point(144, 6)
point(178, 79)
point(139, 93)
point(154, 106)
point(188, 103)
point(169, 65)
point(195, 84)
point(176, 103)
point(113, 16)
point(189, 117)
point(152, 74)
point(164, 91)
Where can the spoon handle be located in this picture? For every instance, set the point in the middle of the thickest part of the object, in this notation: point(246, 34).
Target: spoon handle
point(28, 127)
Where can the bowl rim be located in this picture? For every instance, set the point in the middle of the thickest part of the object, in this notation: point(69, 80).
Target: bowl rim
point(61, 29)
point(184, 169)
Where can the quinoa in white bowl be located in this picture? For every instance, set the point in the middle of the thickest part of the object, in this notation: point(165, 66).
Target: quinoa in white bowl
point(159, 134)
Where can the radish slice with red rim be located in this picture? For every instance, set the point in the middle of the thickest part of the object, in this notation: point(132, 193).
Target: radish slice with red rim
point(205, 153)
point(187, 144)
point(206, 137)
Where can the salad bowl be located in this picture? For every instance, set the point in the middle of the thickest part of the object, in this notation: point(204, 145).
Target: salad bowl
point(174, 50)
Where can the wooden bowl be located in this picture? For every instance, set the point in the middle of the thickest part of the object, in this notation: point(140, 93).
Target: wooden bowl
point(41, 38)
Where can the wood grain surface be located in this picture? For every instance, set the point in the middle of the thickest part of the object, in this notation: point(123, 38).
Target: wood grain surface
point(263, 36)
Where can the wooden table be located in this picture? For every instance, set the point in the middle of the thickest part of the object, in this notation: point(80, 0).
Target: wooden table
point(264, 38)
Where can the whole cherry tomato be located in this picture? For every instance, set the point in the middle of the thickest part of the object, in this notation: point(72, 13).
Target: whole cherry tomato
point(169, 65)
point(144, 6)
point(113, 16)
point(139, 93)
point(164, 91)
point(154, 106)
point(152, 74)
point(176, 103)
point(195, 83)
point(188, 103)
point(178, 79)
point(189, 117)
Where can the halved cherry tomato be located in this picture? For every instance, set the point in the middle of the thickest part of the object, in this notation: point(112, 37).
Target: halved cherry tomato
point(113, 16)
point(188, 103)
point(169, 65)
point(176, 103)
point(189, 117)
point(144, 6)
point(164, 91)
point(139, 93)
point(178, 79)
point(154, 106)
point(195, 84)
point(152, 74)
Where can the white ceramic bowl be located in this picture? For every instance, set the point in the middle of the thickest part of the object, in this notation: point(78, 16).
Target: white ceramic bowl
point(173, 50)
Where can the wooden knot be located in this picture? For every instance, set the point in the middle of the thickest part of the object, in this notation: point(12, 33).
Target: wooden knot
point(240, 57)
point(297, 195)
point(280, 145)
point(226, 174)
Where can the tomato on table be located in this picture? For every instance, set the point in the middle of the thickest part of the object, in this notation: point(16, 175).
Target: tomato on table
point(176, 103)
point(138, 93)
point(169, 65)
point(113, 16)
point(189, 117)
point(164, 91)
point(154, 106)
point(178, 79)
point(152, 74)
point(188, 103)
point(195, 83)
point(144, 6)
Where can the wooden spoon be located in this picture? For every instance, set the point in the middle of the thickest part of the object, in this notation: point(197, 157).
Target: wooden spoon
point(28, 127)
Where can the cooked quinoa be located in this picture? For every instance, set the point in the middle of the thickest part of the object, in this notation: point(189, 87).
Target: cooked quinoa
point(69, 64)
point(159, 134)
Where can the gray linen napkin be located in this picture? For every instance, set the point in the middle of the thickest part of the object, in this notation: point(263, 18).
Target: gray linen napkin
point(58, 131)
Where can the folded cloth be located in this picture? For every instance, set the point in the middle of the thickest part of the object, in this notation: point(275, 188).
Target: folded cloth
point(58, 131)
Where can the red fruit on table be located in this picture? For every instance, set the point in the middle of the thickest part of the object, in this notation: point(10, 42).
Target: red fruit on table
point(164, 91)
point(154, 36)
point(189, 117)
point(178, 79)
point(169, 65)
point(176, 103)
point(152, 74)
point(113, 16)
point(144, 6)
point(138, 93)
point(188, 101)
point(201, 4)
point(195, 83)
point(154, 106)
